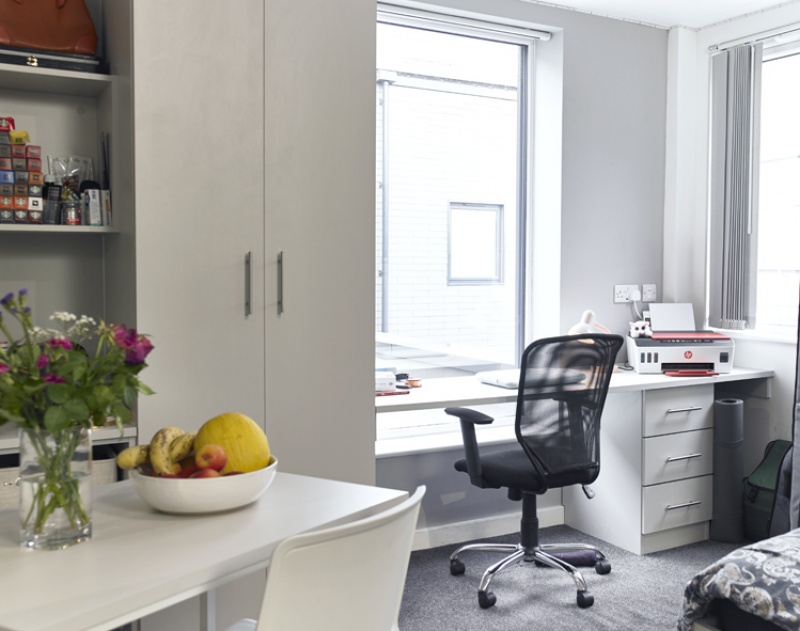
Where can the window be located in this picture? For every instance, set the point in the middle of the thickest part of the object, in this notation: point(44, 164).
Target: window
point(451, 192)
point(778, 275)
point(754, 264)
point(475, 244)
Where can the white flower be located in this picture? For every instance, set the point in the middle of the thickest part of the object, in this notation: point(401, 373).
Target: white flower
point(63, 316)
point(82, 328)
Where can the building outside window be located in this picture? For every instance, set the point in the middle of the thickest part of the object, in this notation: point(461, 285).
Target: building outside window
point(451, 197)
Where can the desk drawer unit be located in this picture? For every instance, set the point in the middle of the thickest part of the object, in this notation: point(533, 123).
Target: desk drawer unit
point(655, 488)
point(676, 504)
point(677, 456)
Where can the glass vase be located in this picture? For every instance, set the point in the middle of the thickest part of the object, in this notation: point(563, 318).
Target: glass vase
point(55, 486)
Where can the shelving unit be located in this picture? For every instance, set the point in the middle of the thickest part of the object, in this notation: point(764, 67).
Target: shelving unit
point(79, 269)
point(66, 268)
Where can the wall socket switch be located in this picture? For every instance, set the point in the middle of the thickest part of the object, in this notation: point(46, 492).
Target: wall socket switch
point(625, 293)
point(648, 293)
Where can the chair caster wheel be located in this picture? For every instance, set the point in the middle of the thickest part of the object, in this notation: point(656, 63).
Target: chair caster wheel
point(603, 566)
point(486, 599)
point(456, 567)
point(585, 600)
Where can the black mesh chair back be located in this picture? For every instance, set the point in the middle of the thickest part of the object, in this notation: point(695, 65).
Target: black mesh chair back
point(563, 386)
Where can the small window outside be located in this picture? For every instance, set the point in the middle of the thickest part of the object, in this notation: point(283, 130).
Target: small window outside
point(475, 244)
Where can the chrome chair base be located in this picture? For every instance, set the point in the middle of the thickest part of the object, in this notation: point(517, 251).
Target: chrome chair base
point(541, 554)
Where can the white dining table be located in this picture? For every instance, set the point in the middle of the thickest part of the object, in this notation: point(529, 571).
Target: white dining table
point(140, 561)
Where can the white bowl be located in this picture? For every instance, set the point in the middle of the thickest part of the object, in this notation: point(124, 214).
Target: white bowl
point(203, 495)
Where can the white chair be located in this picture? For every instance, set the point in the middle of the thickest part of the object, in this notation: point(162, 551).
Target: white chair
point(344, 578)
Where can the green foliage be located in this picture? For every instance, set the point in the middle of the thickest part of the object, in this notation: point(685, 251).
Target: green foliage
point(49, 381)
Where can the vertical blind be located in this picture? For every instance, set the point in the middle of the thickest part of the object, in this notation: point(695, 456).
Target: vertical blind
point(735, 123)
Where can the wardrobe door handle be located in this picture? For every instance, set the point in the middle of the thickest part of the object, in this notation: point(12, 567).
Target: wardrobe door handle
point(248, 285)
point(280, 282)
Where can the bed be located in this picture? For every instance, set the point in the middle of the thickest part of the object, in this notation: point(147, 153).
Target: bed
point(755, 587)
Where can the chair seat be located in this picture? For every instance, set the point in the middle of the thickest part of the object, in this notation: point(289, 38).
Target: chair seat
point(511, 468)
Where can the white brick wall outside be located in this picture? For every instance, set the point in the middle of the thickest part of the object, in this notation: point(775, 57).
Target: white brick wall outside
point(445, 147)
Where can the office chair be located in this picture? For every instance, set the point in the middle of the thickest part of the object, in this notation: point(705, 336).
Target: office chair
point(562, 391)
point(344, 577)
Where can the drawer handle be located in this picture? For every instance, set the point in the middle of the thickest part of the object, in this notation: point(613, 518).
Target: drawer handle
point(684, 505)
point(14, 483)
point(686, 457)
point(693, 408)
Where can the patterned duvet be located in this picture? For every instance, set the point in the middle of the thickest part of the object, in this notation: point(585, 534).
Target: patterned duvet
point(761, 578)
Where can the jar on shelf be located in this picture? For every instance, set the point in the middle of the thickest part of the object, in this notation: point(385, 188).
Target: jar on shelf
point(71, 213)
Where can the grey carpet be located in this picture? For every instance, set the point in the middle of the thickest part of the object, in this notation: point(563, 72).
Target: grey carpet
point(641, 593)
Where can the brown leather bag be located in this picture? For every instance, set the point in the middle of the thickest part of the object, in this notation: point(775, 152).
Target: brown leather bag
point(63, 26)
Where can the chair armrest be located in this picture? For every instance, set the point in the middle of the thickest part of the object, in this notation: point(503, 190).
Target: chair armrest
point(469, 419)
point(473, 416)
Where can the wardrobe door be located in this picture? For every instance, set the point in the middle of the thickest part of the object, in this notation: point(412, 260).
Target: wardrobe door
point(320, 207)
point(198, 121)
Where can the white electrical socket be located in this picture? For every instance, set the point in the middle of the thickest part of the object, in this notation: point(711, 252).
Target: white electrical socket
point(648, 293)
point(624, 293)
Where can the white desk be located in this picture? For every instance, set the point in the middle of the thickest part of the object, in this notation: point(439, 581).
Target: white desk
point(467, 391)
point(140, 561)
point(437, 394)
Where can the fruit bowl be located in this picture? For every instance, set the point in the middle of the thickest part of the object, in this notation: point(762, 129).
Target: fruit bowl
point(203, 495)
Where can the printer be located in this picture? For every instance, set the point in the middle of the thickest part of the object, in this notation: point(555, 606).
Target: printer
point(676, 348)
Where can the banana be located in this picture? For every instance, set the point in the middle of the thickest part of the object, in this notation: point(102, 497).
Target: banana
point(159, 450)
point(132, 457)
point(180, 447)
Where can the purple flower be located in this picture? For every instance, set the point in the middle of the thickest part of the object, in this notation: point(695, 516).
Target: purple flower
point(43, 361)
point(137, 353)
point(124, 336)
point(53, 379)
point(60, 342)
point(4, 368)
point(23, 292)
point(7, 298)
point(136, 347)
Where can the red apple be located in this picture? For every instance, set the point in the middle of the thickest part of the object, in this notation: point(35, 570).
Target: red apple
point(188, 470)
point(208, 472)
point(211, 457)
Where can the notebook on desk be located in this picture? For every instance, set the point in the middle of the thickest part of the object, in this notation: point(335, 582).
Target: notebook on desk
point(534, 377)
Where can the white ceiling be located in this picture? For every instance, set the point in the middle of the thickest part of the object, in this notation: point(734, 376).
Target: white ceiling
point(694, 14)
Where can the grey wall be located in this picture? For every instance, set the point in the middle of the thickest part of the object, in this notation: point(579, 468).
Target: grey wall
point(614, 127)
point(613, 165)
